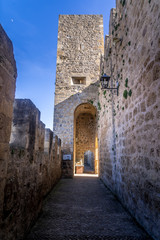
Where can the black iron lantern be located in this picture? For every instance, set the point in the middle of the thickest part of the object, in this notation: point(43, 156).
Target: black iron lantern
point(105, 82)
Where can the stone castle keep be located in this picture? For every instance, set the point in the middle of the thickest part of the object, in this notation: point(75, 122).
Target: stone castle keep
point(79, 52)
point(94, 130)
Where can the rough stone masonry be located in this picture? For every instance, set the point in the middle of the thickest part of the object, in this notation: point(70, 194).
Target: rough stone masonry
point(79, 51)
point(129, 124)
point(8, 74)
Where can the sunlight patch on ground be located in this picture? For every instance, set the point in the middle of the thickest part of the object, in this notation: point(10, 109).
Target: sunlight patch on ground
point(85, 175)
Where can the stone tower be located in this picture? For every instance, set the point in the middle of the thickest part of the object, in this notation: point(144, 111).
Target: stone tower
point(79, 52)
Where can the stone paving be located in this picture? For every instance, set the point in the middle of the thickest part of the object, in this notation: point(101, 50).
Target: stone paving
point(83, 208)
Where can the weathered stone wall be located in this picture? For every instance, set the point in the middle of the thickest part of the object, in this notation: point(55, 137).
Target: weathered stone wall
point(33, 169)
point(8, 74)
point(80, 46)
point(129, 126)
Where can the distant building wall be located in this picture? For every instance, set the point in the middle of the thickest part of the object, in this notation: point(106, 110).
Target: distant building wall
point(129, 132)
point(79, 51)
point(8, 74)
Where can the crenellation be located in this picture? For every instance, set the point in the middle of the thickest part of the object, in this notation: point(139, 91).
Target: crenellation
point(27, 171)
point(48, 140)
point(34, 167)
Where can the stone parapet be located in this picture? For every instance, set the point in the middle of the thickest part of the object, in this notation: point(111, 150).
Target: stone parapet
point(34, 167)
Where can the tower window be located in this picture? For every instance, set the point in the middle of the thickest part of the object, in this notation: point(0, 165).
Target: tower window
point(79, 80)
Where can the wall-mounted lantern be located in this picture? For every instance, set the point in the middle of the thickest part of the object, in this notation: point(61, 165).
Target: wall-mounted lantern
point(105, 83)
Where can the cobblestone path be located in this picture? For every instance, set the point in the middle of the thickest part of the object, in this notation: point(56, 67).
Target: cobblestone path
point(83, 208)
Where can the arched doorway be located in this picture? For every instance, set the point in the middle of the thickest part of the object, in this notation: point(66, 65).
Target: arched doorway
point(85, 139)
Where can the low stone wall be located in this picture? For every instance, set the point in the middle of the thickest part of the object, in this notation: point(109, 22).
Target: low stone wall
point(34, 168)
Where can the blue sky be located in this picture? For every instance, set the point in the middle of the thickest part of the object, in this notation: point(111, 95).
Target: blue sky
point(32, 25)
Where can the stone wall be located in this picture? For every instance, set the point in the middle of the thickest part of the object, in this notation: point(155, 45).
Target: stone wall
point(8, 74)
point(129, 126)
point(80, 46)
point(34, 168)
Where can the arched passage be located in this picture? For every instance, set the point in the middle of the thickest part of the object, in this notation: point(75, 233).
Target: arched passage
point(85, 139)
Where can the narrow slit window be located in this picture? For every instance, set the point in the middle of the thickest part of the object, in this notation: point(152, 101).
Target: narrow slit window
point(79, 80)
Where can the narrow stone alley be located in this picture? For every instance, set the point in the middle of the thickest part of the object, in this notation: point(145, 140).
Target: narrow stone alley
point(83, 208)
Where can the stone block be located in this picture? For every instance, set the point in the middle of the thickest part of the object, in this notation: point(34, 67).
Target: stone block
point(25, 125)
point(143, 107)
point(151, 99)
point(156, 72)
point(48, 140)
point(149, 116)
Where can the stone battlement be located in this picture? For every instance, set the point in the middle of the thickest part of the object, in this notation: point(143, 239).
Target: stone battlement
point(31, 165)
point(34, 167)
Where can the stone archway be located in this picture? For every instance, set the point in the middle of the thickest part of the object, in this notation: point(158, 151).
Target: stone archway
point(85, 139)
